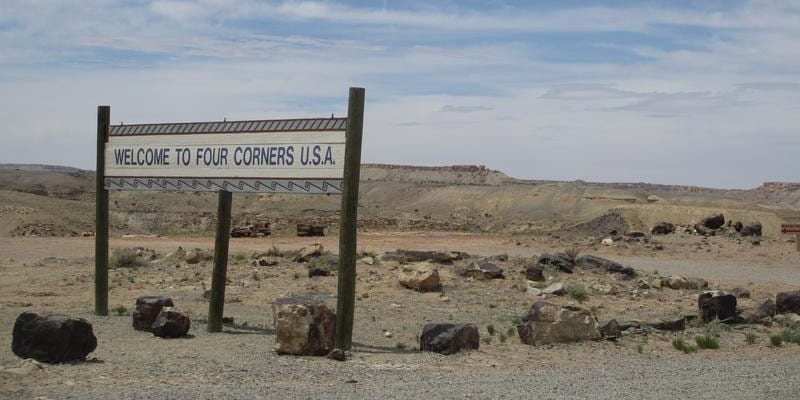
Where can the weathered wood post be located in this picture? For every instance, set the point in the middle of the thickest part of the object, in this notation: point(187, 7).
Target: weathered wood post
point(216, 304)
point(101, 215)
point(346, 291)
point(797, 242)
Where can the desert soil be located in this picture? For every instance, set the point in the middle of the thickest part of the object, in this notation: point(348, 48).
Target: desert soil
point(56, 274)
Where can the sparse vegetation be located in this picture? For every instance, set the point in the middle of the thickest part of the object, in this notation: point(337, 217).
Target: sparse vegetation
point(126, 258)
point(577, 291)
point(296, 276)
point(572, 252)
point(595, 310)
point(487, 340)
point(680, 344)
point(776, 340)
point(750, 337)
point(490, 328)
point(503, 338)
point(511, 332)
point(707, 341)
point(516, 320)
point(326, 260)
point(400, 346)
point(791, 335)
point(641, 344)
point(715, 327)
point(120, 310)
point(256, 276)
point(275, 251)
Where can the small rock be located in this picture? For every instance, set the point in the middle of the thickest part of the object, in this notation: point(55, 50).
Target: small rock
point(590, 261)
point(563, 262)
point(714, 221)
point(740, 293)
point(714, 304)
point(368, 260)
point(387, 334)
point(674, 282)
point(547, 323)
point(421, 276)
point(662, 228)
point(306, 253)
point(483, 271)
point(534, 273)
point(147, 309)
point(668, 324)
point(171, 324)
point(556, 288)
point(607, 242)
point(446, 338)
point(338, 355)
point(194, 256)
point(788, 302)
point(445, 299)
point(534, 291)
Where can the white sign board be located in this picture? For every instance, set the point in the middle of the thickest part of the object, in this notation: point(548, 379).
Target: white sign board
point(288, 156)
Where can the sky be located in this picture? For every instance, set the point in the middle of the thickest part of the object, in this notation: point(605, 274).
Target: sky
point(700, 93)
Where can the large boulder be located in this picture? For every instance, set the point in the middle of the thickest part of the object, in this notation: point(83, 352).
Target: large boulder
point(420, 276)
point(535, 273)
point(170, 324)
point(753, 229)
point(563, 262)
point(447, 338)
point(590, 261)
point(715, 304)
point(713, 222)
point(548, 323)
point(762, 314)
point(788, 302)
point(662, 228)
point(147, 309)
point(52, 338)
point(483, 271)
point(303, 327)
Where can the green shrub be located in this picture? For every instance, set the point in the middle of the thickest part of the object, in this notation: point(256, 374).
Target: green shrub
point(750, 337)
point(503, 338)
point(707, 342)
point(120, 310)
point(577, 291)
point(491, 330)
point(776, 340)
point(680, 344)
point(791, 335)
point(511, 332)
point(572, 252)
point(126, 258)
point(327, 261)
point(516, 320)
point(487, 340)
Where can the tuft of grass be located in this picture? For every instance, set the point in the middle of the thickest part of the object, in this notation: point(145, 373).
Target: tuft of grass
point(487, 340)
point(577, 291)
point(400, 345)
point(275, 251)
point(491, 330)
point(296, 276)
point(641, 344)
point(750, 337)
point(120, 310)
point(126, 258)
point(715, 327)
point(511, 332)
point(239, 256)
point(503, 338)
point(492, 305)
point(516, 320)
point(519, 261)
point(707, 341)
point(595, 310)
point(776, 340)
point(326, 260)
point(572, 252)
point(680, 344)
point(791, 335)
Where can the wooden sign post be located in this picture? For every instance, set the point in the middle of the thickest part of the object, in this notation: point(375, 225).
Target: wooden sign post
point(304, 156)
point(792, 228)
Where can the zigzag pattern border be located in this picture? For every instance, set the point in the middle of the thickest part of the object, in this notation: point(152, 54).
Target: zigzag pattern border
point(298, 186)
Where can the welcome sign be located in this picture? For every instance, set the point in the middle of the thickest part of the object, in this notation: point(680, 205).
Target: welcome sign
point(267, 156)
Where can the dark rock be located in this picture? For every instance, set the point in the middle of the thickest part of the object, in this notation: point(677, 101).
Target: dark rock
point(788, 302)
point(338, 355)
point(535, 273)
point(713, 222)
point(563, 262)
point(625, 325)
point(738, 226)
point(499, 257)
point(483, 271)
point(52, 338)
point(716, 305)
point(753, 229)
point(227, 320)
point(589, 261)
point(147, 309)
point(322, 266)
point(303, 326)
point(611, 330)
point(668, 324)
point(413, 256)
point(663, 228)
point(171, 324)
point(445, 338)
point(636, 234)
point(696, 283)
point(740, 293)
point(762, 314)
